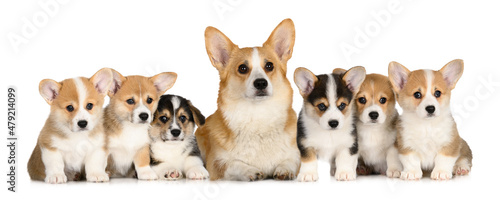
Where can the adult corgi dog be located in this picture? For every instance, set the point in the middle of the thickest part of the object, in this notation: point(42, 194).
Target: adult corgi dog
point(127, 118)
point(72, 140)
point(427, 134)
point(326, 128)
point(376, 116)
point(251, 135)
point(174, 151)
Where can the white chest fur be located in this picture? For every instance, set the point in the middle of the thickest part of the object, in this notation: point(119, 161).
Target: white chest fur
point(124, 146)
point(327, 142)
point(171, 155)
point(426, 136)
point(75, 147)
point(374, 142)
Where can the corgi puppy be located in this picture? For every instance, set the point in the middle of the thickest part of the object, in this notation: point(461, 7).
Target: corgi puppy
point(127, 121)
point(325, 128)
point(72, 139)
point(376, 116)
point(427, 136)
point(174, 150)
point(251, 135)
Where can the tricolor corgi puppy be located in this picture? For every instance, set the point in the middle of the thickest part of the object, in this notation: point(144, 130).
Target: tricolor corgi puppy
point(427, 134)
point(127, 121)
point(251, 135)
point(73, 136)
point(376, 125)
point(325, 128)
point(174, 151)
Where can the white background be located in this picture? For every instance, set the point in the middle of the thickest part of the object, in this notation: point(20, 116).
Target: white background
point(149, 37)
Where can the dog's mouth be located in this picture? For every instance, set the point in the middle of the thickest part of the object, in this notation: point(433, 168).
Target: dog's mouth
point(261, 93)
point(173, 140)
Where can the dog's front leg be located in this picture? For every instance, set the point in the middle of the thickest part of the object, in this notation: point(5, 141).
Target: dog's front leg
point(141, 162)
point(239, 170)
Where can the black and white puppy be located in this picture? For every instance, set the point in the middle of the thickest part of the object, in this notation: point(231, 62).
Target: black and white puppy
point(326, 126)
point(174, 150)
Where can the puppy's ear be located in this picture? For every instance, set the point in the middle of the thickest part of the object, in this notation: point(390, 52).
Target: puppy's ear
point(282, 40)
point(164, 81)
point(49, 89)
point(452, 72)
point(219, 47)
point(199, 119)
point(398, 75)
point(102, 80)
point(339, 71)
point(305, 81)
point(116, 82)
point(354, 77)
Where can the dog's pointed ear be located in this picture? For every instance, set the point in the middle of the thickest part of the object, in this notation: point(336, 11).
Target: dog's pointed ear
point(354, 77)
point(339, 71)
point(49, 89)
point(102, 80)
point(164, 81)
point(199, 119)
point(219, 47)
point(452, 71)
point(305, 81)
point(398, 75)
point(282, 40)
point(116, 82)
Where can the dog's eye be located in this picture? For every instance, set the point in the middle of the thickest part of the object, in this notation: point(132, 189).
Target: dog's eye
point(70, 108)
point(322, 107)
point(164, 119)
point(342, 106)
point(269, 66)
point(417, 95)
point(243, 69)
point(149, 100)
point(362, 100)
point(182, 118)
point(437, 93)
point(130, 101)
point(382, 100)
point(90, 106)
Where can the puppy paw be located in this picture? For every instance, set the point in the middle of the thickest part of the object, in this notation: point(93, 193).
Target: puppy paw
point(97, 177)
point(173, 174)
point(56, 178)
point(345, 175)
point(307, 176)
point(253, 175)
point(283, 174)
point(393, 173)
point(462, 170)
point(197, 173)
point(364, 170)
point(146, 174)
point(441, 175)
point(411, 175)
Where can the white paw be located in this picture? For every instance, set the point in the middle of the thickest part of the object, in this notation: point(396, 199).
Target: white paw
point(252, 175)
point(197, 173)
point(411, 175)
point(393, 173)
point(56, 178)
point(440, 175)
point(462, 170)
point(344, 175)
point(148, 174)
point(307, 176)
point(173, 174)
point(97, 177)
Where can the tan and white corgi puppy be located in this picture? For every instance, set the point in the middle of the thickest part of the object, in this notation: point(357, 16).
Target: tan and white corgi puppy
point(326, 128)
point(127, 121)
point(251, 135)
point(376, 116)
point(174, 151)
point(73, 136)
point(427, 137)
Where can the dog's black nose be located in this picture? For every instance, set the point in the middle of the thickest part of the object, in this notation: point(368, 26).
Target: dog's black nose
point(260, 84)
point(373, 115)
point(82, 123)
point(430, 109)
point(144, 116)
point(333, 123)
point(175, 132)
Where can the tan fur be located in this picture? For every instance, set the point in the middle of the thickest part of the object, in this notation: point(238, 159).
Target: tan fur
point(375, 87)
